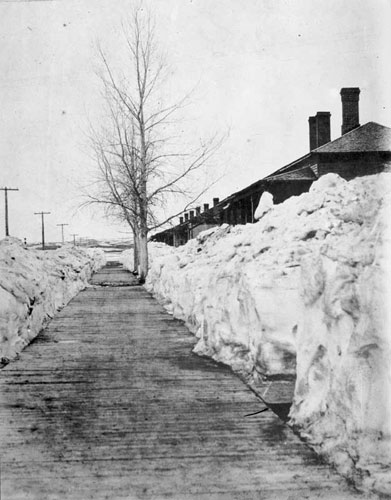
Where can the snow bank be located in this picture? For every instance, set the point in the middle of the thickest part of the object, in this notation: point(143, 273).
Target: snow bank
point(303, 286)
point(215, 284)
point(34, 284)
point(342, 402)
point(127, 259)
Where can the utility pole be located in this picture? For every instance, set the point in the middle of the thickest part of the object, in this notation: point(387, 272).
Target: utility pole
point(62, 230)
point(42, 214)
point(6, 189)
point(74, 239)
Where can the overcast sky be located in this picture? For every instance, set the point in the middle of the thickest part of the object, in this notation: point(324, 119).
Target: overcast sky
point(260, 68)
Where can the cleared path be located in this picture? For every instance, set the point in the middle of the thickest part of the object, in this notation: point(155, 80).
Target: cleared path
point(109, 403)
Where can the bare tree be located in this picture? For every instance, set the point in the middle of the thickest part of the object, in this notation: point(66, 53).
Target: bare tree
point(139, 166)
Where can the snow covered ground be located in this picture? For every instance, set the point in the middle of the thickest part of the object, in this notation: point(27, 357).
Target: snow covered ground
point(34, 284)
point(303, 291)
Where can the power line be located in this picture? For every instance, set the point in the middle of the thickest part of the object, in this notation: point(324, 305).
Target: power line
point(74, 238)
point(42, 214)
point(62, 230)
point(6, 189)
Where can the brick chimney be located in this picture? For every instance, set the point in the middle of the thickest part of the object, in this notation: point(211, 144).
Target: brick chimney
point(186, 216)
point(350, 115)
point(319, 129)
point(323, 127)
point(313, 138)
point(215, 201)
point(206, 207)
point(191, 214)
point(180, 220)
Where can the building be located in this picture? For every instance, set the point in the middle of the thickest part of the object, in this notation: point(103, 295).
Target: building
point(361, 150)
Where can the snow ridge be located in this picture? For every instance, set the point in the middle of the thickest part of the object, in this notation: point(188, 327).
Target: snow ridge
point(35, 284)
point(301, 292)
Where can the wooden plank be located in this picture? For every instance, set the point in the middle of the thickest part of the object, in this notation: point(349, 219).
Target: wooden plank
point(109, 402)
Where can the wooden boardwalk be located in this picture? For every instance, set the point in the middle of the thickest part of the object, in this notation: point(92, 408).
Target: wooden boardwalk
point(109, 403)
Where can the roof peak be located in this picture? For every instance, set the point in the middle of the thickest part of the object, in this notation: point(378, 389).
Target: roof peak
point(371, 136)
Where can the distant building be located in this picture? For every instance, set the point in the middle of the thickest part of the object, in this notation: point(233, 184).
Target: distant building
point(361, 150)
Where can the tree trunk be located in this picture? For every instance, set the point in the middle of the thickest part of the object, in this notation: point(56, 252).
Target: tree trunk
point(135, 253)
point(143, 257)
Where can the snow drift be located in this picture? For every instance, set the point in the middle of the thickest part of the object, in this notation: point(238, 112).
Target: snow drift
point(342, 402)
point(34, 284)
point(303, 291)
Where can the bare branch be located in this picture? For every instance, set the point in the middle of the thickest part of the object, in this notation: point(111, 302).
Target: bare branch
point(138, 168)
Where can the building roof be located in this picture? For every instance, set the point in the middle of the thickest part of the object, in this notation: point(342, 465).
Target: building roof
point(368, 138)
point(291, 167)
point(301, 174)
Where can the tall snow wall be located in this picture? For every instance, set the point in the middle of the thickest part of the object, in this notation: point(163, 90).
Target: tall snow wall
point(35, 284)
point(303, 291)
point(342, 402)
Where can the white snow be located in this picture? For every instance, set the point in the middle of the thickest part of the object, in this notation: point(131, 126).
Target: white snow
point(301, 291)
point(127, 259)
point(34, 284)
point(265, 204)
point(342, 399)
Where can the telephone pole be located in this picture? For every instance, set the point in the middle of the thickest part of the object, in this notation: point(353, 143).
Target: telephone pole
point(42, 214)
point(74, 238)
point(62, 230)
point(6, 189)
